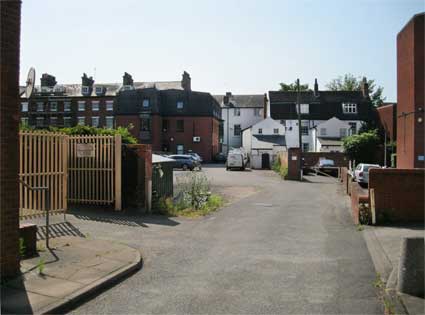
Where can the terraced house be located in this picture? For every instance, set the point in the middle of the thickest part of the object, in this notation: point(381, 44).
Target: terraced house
point(347, 109)
point(166, 114)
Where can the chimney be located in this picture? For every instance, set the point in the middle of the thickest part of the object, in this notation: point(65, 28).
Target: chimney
point(226, 98)
point(87, 81)
point(47, 80)
point(266, 113)
point(127, 79)
point(365, 88)
point(186, 81)
point(316, 88)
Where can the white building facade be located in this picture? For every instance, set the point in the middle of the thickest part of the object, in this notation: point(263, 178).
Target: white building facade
point(238, 112)
point(263, 141)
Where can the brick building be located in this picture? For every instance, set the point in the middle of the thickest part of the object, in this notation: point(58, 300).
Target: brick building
point(167, 114)
point(387, 115)
point(410, 94)
point(172, 120)
point(10, 25)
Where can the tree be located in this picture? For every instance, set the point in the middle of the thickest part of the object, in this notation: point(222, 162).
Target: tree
point(362, 147)
point(292, 87)
point(349, 82)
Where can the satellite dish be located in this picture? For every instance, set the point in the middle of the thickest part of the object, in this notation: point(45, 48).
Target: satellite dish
point(29, 88)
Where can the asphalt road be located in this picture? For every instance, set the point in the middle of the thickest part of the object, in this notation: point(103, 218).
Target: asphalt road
point(285, 248)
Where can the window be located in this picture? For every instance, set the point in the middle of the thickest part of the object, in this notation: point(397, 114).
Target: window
point(109, 122)
point(24, 106)
point(145, 103)
point(304, 130)
point(304, 108)
point(53, 106)
point(67, 121)
point(85, 90)
point(257, 111)
point(24, 121)
point(109, 105)
point(283, 122)
point(95, 121)
point(81, 121)
point(145, 122)
point(306, 147)
point(67, 106)
point(40, 106)
point(53, 121)
point(40, 121)
point(95, 106)
point(276, 131)
point(99, 90)
point(180, 105)
point(323, 131)
point(81, 106)
point(349, 108)
point(164, 125)
point(237, 130)
point(180, 149)
point(180, 126)
point(260, 131)
point(237, 112)
point(353, 127)
point(343, 132)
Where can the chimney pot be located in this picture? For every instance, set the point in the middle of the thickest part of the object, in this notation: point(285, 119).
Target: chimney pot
point(316, 88)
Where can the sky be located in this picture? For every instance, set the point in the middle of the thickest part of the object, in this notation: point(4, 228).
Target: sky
point(246, 47)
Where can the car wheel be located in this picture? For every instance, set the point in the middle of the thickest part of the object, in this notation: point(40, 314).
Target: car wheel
point(184, 167)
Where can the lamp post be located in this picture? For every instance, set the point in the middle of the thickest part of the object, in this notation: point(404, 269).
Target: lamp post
point(299, 130)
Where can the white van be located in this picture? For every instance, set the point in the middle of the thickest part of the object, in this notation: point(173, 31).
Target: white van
point(235, 159)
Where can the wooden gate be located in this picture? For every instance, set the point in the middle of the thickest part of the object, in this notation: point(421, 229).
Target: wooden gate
point(94, 166)
point(42, 163)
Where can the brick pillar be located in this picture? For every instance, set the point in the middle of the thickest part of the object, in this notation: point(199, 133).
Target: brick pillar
point(10, 20)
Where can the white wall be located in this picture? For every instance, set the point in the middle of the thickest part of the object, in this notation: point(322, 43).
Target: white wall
point(246, 119)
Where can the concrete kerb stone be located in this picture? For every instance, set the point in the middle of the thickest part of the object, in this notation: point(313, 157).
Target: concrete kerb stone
point(94, 288)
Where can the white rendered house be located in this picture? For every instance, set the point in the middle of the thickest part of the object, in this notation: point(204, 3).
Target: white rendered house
point(238, 112)
point(327, 136)
point(263, 141)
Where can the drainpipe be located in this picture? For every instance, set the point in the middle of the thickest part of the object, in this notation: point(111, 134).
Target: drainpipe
point(227, 147)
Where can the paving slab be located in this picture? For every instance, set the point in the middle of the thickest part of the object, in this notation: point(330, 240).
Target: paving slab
point(71, 269)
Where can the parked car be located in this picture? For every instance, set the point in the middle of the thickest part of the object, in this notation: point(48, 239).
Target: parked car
point(236, 159)
point(185, 162)
point(220, 158)
point(361, 173)
point(196, 156)
point(326, 166)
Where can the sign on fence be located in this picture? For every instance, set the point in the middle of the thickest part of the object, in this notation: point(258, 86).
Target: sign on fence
point(86, 150)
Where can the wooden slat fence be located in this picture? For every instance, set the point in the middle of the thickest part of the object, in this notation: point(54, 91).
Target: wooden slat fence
point(94, 166)
point(42, 163)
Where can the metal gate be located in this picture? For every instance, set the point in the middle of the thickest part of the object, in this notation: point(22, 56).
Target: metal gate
point(94, 169)
point(42, 173)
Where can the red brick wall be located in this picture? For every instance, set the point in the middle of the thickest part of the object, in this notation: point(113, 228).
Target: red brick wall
point(312, 158)
point(293, 165)
point(399, 193)
point(156, 133)
point(387, 119)
point(125, 120)
point(410, 93)
point(10, 19)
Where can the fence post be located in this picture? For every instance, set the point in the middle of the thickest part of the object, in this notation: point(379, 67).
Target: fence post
point(118, 148)
point(372, 205)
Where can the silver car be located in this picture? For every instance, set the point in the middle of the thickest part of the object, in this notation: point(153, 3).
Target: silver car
point(361, 173)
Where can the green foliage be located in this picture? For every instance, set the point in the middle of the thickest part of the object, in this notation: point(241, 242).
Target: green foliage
point(292, 87)
point(349, 82)
point(89, 131)
point(365, 215)
point(361, 147)
point(40, 266)
point(21, 247)
point(194, 189)
point(279, 168)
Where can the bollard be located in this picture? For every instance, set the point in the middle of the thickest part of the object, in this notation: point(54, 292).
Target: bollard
point(411, 267)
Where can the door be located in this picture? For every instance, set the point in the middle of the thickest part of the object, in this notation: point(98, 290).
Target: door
point(265, 161)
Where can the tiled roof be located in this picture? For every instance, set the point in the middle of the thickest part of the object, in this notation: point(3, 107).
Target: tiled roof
point(251, 101)
point(309, 97)
point(275, 139)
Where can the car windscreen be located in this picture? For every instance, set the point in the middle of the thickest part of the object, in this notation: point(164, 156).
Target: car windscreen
point(367, 167)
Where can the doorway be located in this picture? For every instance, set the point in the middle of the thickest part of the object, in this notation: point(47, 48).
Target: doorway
point(265, 161)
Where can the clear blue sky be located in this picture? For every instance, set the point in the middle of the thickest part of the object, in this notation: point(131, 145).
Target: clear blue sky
point(239, 46)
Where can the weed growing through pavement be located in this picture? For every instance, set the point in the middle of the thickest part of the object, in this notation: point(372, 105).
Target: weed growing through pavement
point(40, 266)
point(21, 247)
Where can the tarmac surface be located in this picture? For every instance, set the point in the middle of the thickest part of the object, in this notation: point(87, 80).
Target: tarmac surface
point(278, 247)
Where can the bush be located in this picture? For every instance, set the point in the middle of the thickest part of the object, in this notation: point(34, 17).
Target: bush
point(362, 147)
point(279, 168)
point(365, 215)
point(88, 131)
